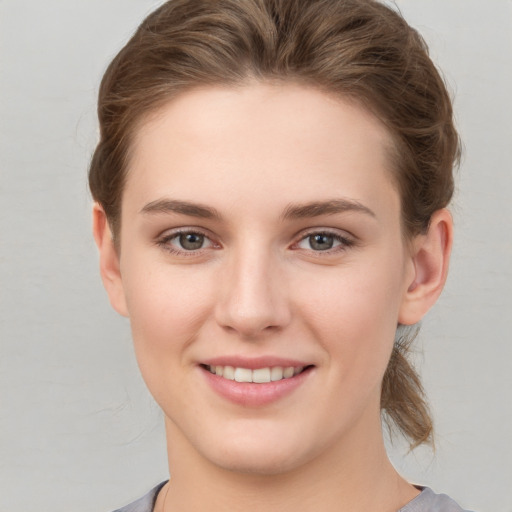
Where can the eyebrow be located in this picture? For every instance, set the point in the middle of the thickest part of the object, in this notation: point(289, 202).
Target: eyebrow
point(292, 211)
point(181, 207)
point(331, 207)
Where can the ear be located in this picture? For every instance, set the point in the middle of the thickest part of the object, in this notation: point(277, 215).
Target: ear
point(430, 257)
point(109, 260)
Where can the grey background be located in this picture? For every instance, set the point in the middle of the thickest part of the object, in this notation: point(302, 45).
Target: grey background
point(78, 430)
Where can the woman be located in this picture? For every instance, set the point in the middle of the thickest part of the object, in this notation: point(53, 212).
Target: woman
point(270, 197)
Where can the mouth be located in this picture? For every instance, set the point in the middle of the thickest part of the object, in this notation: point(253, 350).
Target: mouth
point(262, 375)
point(257, 381)
point(265, 382)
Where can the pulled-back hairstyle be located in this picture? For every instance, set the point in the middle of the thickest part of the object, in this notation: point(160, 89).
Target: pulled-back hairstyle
point(360, 50)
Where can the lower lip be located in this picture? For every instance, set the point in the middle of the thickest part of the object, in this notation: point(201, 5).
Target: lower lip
point(249, 394)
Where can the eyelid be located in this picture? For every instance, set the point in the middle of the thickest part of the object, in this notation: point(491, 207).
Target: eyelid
point(163, 240)
point(345, 238)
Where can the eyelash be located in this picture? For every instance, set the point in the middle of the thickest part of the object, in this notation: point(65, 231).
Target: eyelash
point(164, 242)
point(344, 242)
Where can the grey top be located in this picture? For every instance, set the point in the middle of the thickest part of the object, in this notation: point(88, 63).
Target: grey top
point(144, 504)
point(426, 501)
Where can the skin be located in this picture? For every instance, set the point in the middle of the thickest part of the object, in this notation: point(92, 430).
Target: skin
point(257, 287)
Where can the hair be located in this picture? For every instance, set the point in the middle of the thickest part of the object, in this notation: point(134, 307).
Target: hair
point(360, 50)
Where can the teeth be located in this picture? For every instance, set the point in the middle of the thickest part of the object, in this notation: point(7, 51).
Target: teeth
point(260, 375)
point(276, 373)
point(227, 373)
point(243, 375)
point(288, 372)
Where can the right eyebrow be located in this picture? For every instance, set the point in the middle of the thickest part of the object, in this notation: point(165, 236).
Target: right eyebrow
point(166, 205)
point(330, 207)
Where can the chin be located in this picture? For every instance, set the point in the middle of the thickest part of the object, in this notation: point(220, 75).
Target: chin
point(255, 463)
point(257, 452)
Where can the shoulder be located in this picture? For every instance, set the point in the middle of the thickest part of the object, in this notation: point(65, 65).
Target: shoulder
point(429, 501)
point(144, 504)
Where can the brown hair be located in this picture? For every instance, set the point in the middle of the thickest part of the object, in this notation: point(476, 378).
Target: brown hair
point(358, 49)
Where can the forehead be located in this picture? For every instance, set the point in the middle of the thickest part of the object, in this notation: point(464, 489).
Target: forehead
point(220, 142)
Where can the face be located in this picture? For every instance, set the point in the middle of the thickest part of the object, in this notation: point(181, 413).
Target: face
point(264, 272)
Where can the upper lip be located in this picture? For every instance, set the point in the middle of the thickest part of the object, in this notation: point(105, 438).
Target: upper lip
point(253, 363)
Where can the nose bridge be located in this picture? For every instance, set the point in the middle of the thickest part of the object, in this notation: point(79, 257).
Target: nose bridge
point(253, 291)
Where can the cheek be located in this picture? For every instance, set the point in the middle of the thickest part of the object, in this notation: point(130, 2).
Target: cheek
point(353, 312)
point(167, 307)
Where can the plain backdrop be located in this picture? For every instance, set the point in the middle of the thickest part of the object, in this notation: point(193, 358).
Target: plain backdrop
point(78, 430)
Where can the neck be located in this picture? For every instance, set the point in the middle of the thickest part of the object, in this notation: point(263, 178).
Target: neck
point(354, 476)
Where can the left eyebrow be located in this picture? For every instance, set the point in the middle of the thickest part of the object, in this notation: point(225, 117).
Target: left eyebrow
point(331, 207)
point(181, 207)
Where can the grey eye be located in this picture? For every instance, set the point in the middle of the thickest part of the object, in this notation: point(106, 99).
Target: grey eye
point(191, 241)
point(321, 242)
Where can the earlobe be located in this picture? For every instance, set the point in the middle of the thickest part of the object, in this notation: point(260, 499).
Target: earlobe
point(109, 260)
point(430, 259)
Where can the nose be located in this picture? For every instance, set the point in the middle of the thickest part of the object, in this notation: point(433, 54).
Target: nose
point(253, 295)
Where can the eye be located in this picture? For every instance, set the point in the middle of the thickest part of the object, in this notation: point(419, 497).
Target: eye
point(320, 241)
point(185, 241)
point(324, 241)
point(190, 241)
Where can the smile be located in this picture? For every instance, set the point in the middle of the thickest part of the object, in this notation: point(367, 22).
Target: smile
point(265, 382)
point(257, 375)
